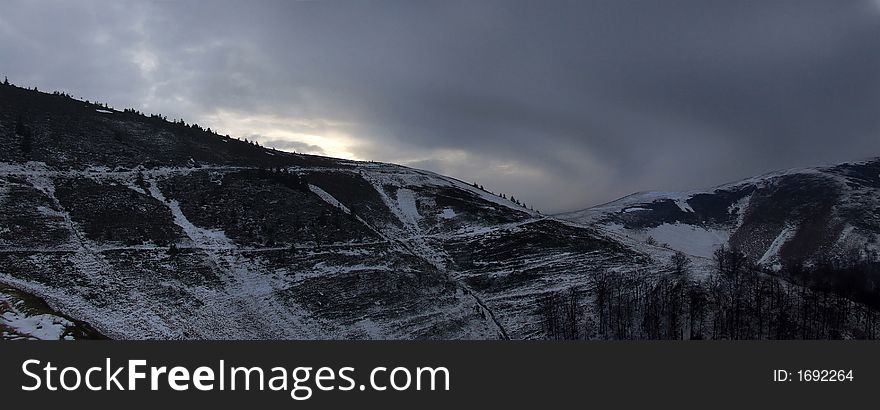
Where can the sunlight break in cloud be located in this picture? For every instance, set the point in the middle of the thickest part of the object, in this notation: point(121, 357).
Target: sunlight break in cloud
point(318, 136)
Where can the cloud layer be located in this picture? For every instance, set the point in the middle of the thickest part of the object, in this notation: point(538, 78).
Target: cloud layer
point(564, 104)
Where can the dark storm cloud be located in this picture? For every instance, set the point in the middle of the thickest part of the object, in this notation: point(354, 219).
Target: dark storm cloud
point(563, 104)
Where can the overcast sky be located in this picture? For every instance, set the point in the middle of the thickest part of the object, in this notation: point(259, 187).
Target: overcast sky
point(563, 104)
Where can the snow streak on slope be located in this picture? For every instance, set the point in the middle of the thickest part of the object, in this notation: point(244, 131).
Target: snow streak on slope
point(406, 203)
point(200, 237)
point(329, 198)
point(326, 197)
point(771, 256)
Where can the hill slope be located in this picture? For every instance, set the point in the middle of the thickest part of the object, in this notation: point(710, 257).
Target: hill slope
point(805, 214)
point(144, 228)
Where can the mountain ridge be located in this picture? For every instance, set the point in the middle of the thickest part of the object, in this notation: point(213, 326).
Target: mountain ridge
point(145, 228)
point(132, 227)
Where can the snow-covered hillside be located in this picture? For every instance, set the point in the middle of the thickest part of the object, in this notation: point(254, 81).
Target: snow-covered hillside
point(128, 226)
point(148, 229)
point(122, 250)
point(797, 214)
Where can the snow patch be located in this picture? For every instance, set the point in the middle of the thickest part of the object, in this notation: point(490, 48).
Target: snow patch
point(845, 233)
point(447, 213)
point(739, 207)
point(41, 326)
point(406, 201)
point(693, 240)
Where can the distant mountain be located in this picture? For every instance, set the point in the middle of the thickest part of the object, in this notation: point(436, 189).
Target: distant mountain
point(145, 228)
point(806, 214)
